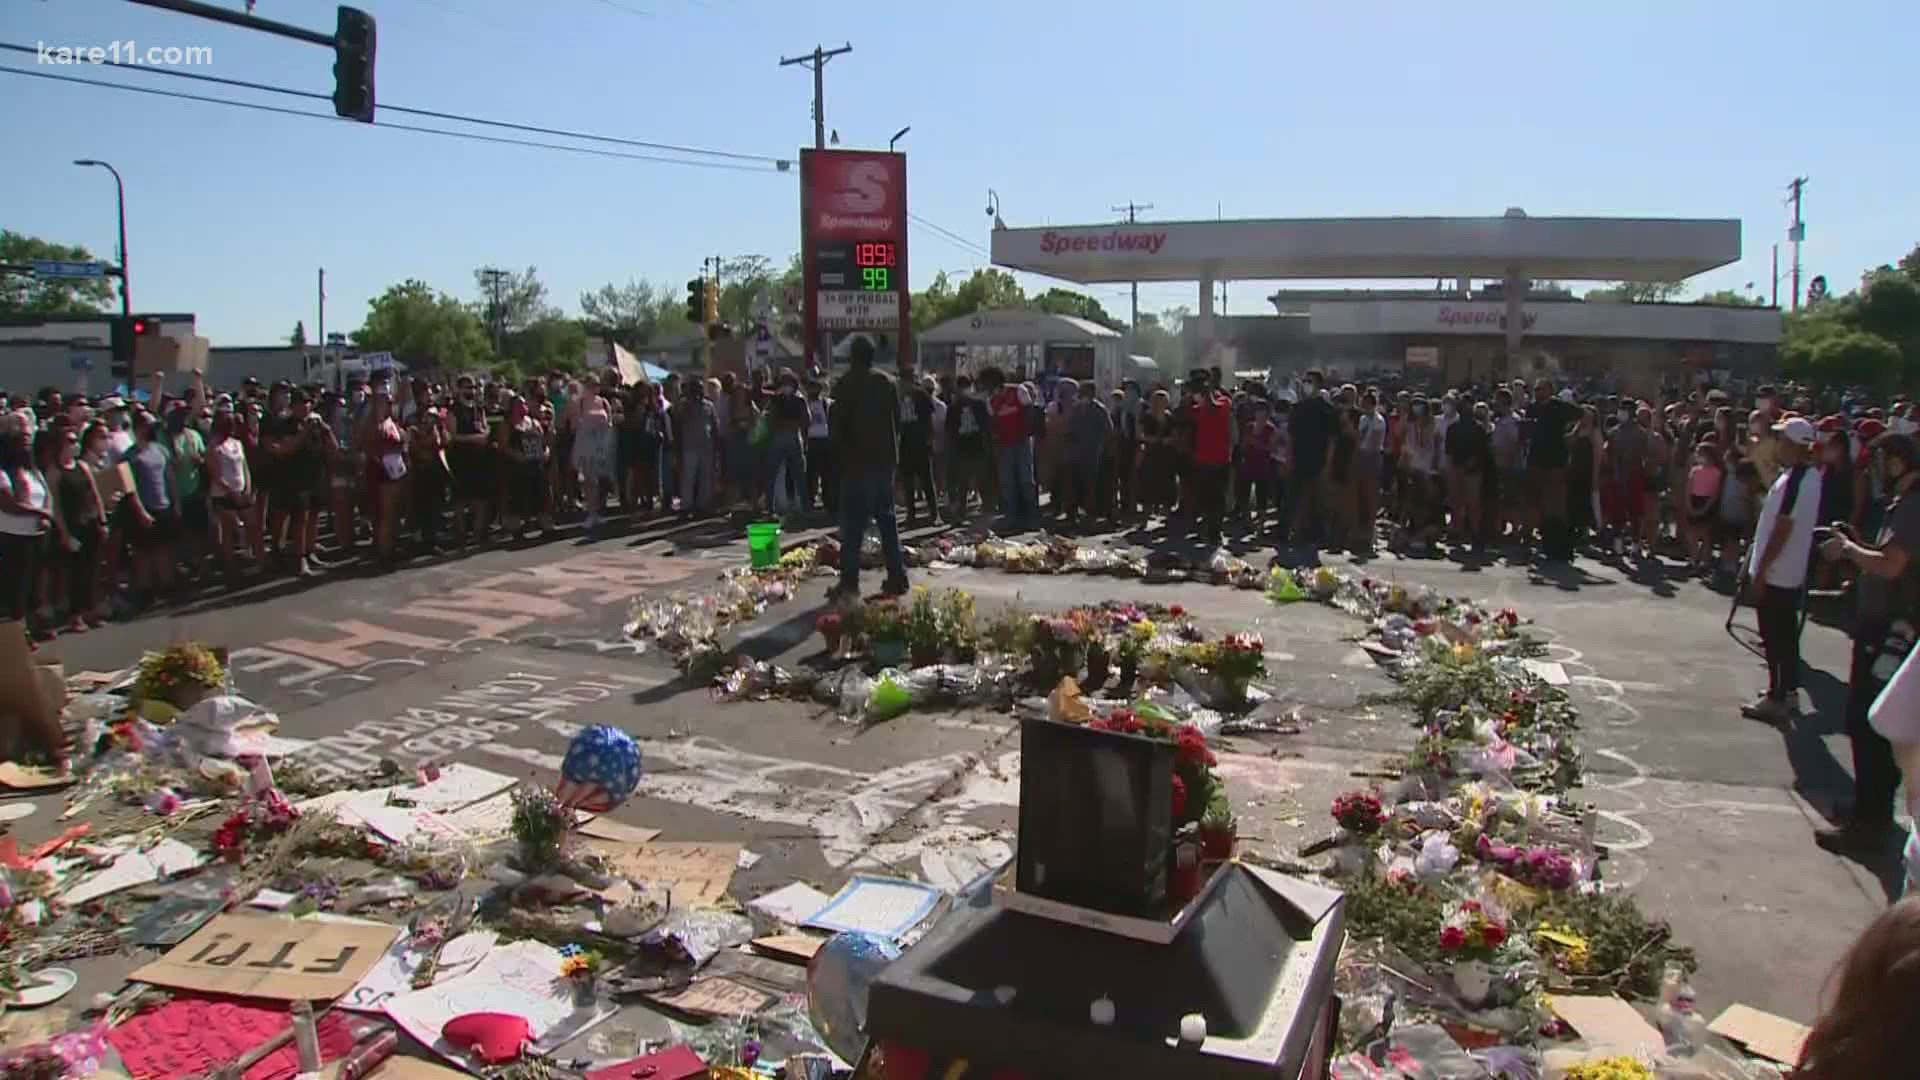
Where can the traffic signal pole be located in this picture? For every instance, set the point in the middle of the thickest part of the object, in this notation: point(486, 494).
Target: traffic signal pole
point(352, 44)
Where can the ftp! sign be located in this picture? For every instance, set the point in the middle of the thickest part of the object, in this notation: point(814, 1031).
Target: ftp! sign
point(267, 956)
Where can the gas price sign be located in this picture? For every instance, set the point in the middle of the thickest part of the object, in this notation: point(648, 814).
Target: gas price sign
point(854, 243)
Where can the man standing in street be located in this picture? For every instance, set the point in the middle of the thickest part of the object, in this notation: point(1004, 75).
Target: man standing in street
point(1547, 458)
point(865, 427)
point(1214, 436)
point(1777, 569)
point(1007, 404)
point(1886, 601)
point(916, 442)
point(1311, 426)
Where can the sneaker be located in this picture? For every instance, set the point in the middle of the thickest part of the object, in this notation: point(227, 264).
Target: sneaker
point(1766, 708)
point(895, 587)
point(1855, 837)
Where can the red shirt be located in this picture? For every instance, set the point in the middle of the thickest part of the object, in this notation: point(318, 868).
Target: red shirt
point(1213, 430)
point(1009, 417)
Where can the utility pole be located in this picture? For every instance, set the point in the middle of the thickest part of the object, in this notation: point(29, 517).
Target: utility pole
point(1775, 301)
point(496, 315)
point(323, 327)
point(817, 60)
point(1133, 208)
point(1796, 232)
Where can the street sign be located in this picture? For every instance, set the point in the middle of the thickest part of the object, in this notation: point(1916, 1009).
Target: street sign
point(762, 343)
point(60, 269)
point(856, 309)
point(80, 361)
point(378, 361)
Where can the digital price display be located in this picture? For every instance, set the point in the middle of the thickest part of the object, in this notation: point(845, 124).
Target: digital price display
point(875, 261)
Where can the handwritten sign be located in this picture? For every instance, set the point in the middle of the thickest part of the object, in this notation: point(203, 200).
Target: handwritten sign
point(697, 873)
point(269, 956)
point(717, 997)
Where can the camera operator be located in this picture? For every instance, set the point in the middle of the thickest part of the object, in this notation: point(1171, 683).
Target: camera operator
point(1886, 600)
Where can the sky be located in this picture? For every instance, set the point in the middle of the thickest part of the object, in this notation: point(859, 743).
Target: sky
point(1063, 108)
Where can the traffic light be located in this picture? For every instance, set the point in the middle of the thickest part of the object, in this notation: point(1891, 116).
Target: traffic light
point(697, 301)
point(353, 47)
point(710, 303)
point(125, 333)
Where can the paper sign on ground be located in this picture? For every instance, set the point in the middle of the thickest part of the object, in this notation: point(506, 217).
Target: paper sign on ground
point(457, 786)
point(793, 948)
point(716, 997)
point(272, 956)
point(605, 828)
point(793, 903)
point(698, 873)
point(164, 859)
point(522, 979)
point(888, 907)
point(392, 975)
point(1775, 1038)
point(30, 778)
point(1610, 1023)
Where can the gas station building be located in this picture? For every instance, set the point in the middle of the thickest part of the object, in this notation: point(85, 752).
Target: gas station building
point(1484, 318)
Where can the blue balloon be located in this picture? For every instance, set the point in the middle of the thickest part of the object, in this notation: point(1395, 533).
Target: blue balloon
point(601, 769)
point(838, 978)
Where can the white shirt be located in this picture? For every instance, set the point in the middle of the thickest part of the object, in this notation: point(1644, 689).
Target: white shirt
point(1789, 569)
point(817, 418)
point(118, 443)
point(1372, 431)
point(229, 461)
point(32, 492)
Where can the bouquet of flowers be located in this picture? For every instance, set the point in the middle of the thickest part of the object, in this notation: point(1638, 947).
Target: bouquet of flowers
point(1473, 930)
point(268, 814)
point(1059, 645)
point(1359, 812)
point(882, 620)
point(1240, 657)
point(1541, 867)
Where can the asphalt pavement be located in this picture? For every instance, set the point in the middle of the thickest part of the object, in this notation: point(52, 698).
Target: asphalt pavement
point(498, 657)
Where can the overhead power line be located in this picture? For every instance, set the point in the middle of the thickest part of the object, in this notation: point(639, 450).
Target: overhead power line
point(430, 113)
point(950, 235)
point(420, 128)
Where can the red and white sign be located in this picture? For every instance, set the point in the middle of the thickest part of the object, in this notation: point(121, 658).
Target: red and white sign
point(855, 194)
point(853, 207)
point(1140, 241)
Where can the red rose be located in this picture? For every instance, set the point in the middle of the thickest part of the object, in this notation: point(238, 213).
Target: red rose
point(1176, 611)
point(1452, 937)
point(1493, 934)
point(1179, 797)
point(1190, 747)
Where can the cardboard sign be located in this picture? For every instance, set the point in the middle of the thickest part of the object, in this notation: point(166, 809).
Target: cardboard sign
point(716, 997)
point(793, 948)
point(604, 828)
point(413, 1068)
point(1609, 1023)
point(1775, 1038)
point(272, 957)
point(697, 873)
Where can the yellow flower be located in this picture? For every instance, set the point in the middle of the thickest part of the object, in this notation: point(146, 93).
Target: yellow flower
point(1143, 629)
point(1463, 652)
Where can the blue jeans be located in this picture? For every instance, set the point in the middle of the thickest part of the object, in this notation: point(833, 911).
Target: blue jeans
point(866, 496)
point(1018, 500)
point(785, 449)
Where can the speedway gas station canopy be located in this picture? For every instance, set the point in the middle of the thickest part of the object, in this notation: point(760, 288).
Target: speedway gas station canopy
point(1565, 248)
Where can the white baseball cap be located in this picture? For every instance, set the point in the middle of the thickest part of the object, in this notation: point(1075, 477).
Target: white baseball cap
point(1798, 430)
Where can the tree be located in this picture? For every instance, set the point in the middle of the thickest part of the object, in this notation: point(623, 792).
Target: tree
point(1910, 263)
point(515, 302)
point(298, 339)
point(742, 279)
point(424, 328)
point(635, 313)
point(1060, 301)
point(1855, 358)
point(24, 294)
point(548, 343)
point(1730, 298)
point(1638, 292)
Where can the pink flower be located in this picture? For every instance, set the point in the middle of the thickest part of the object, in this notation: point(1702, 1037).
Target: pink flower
point(1452, 937)
point(1492, 935)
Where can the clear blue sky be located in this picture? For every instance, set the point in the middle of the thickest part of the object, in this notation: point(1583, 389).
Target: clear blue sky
point(1065, 108)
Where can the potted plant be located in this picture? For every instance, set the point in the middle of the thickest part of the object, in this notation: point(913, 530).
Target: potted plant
point(959, 625)
point(1058, 648)
point(180, 675)
point(1219, 831)
point(924, 631)
point(1237, 660)
point(1472, 933)
point(832, 627)
point(1098, 664)
point(886, 629)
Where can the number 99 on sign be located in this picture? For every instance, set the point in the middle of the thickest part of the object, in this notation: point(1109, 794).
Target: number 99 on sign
point(876, 278)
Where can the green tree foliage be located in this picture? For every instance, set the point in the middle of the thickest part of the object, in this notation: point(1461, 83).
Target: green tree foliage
point(424, 328)
point(635, 313)
point(515, 303)
point(1868, 337)
point(548, 343)
point(1637, 292)
point(1060, 301)
point(21, 294)
point(743, 279)
point(1730, 298)
point(298, 339)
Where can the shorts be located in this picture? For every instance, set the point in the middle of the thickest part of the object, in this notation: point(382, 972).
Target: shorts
point(230, 504)
point(159, 533)
point(193, 515)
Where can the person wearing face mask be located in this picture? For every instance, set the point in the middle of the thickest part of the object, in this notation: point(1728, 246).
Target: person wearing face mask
point(1886, 609)
point(470, 460)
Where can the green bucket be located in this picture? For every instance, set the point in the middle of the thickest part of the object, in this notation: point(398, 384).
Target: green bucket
point(763, 543)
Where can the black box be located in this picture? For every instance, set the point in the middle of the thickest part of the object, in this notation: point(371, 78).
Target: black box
point(1096, 817)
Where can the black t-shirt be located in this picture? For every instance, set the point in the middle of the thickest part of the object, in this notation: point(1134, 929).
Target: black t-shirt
point(1469, 446)
point(787, 412)
point(1547, 441)
point(1311, 426)
point(468, 419)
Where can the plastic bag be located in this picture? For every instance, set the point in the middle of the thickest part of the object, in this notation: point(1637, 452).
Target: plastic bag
point(889, 697)
point(696, 936)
